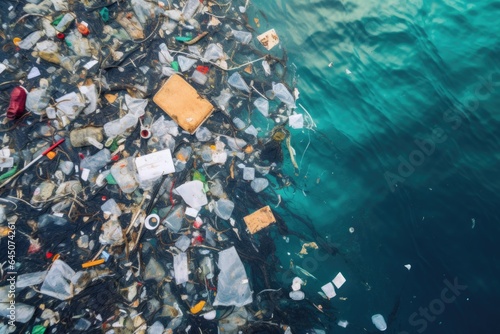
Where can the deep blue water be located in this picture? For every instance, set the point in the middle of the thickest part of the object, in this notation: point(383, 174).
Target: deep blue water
point(406, 151)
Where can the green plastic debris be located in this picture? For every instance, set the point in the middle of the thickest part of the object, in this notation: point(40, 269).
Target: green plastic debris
point(57, 20)
point(114, 145)
point(110, 179)
point(38, 329)
point(104, 14)
point(183, 38)
point(175, 66)
point(8, 174)
point(198, 176)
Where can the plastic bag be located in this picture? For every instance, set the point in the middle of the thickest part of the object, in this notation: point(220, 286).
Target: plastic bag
point(237, 82)
point(192, 193)
point(233, 287)
point(213, 52)
point(262, 105)
point(57, 283)
point(284, 95)
point(185, 63)
point(244, 37)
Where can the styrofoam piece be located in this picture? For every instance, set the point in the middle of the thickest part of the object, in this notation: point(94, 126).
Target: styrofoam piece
point(296, 121)
point(329, 290)
point(34, 72)
point(297, 284)
point(181, 271)
point(154, 165)
point(339, 280)
point(192, 193)
point(192, 212)
point(343, 323)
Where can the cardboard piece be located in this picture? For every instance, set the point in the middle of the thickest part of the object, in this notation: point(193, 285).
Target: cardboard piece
point(259, 219)
point(183, 103)
point(269, 39)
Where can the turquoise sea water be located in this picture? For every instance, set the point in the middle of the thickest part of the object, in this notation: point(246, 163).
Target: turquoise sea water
point(406, 152)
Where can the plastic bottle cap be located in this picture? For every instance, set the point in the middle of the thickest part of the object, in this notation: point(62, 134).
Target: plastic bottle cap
point(51, 155)
point(16, 41)
point(83, 29)
point(145, 133)
point(152, 221)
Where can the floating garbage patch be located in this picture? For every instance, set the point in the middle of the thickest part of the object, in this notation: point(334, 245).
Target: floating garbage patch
point(144, 145)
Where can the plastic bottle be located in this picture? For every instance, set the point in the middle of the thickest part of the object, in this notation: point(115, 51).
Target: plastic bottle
point(124, 174)
point(62, 23)
point(29, 42)
point(96, 161)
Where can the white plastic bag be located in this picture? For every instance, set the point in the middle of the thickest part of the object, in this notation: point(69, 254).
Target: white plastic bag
point(232, 287)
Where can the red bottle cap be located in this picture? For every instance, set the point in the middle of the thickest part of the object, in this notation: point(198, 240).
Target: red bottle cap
point(60, 35)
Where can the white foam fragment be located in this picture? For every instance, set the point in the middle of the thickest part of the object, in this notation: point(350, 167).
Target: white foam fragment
point(34, 72)
point(90, 64)
point(339, 280)
point(85, 174)
point(329, 290)
point(191, 212)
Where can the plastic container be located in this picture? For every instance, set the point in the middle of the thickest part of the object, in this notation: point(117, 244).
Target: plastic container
point(199, 77)
point(124, 174)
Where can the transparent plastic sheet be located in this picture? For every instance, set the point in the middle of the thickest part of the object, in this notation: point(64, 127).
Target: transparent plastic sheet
point(233, 287)
point(57, 283)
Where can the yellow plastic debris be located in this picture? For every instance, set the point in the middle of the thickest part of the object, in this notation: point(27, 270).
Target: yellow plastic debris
point(92, 263)
point(198, 307)
point(259, 219)
point(183, 103)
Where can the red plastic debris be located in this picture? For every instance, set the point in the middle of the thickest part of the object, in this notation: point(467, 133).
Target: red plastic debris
point(202, 69)
point(17, 103)
point(103, 198)
point(60, 35)
point(115, 157)
point(48, 255)
point(81, 155)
